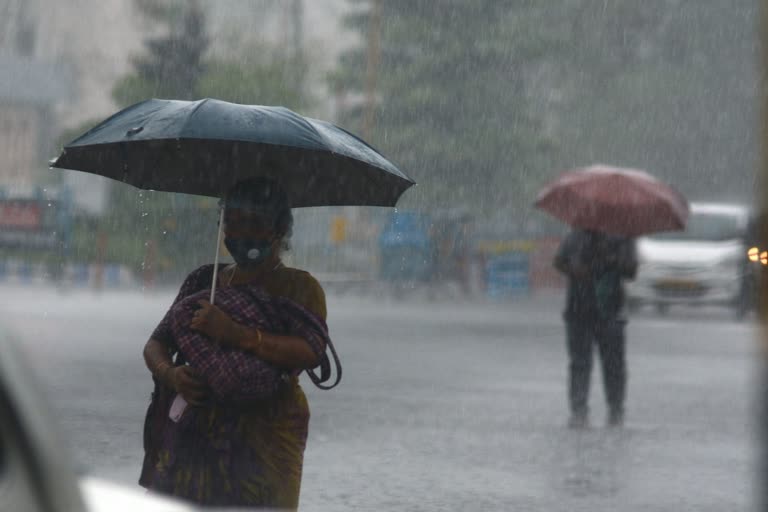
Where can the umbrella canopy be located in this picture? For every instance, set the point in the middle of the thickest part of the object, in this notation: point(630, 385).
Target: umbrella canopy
point(204, 147)
point(614, 200)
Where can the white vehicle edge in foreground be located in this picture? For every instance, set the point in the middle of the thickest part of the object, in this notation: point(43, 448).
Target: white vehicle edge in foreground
point(36, 469)
point(103, 495)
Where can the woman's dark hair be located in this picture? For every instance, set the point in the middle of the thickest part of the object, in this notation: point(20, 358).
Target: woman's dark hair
point(267, 197)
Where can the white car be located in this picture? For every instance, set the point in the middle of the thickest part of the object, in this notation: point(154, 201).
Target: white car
point(36, 472)
point(704, 265)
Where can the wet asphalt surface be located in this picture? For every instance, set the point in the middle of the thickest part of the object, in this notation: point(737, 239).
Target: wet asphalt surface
point(445, 405)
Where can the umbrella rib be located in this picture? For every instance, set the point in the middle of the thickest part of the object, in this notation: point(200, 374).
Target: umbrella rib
point(191, 115)
point(104, 122)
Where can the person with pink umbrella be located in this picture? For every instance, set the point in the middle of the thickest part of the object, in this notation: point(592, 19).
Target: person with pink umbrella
point(596, 265)
point(607, 207)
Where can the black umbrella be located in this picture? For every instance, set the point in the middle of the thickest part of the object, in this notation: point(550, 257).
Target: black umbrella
point(204, 147)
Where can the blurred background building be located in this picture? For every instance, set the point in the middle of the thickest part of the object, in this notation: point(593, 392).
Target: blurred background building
point(480, 102)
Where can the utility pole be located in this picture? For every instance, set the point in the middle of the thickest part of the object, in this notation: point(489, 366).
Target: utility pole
point(10, 14)
point(17, 28)
point(361, 218)
point(297, 23)
point(297, 43)
point(372, 69)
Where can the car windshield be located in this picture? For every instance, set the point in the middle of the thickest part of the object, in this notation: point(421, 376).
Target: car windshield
point(707, 227)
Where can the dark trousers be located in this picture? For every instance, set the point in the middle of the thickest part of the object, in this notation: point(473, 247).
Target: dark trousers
point(608, 335)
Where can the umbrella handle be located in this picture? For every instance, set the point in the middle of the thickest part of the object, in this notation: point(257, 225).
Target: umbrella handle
point(216, 259)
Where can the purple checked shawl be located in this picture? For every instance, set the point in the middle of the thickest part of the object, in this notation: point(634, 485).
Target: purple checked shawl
point(234, 375)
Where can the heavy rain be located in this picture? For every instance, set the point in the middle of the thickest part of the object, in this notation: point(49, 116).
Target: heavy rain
point(531, 231)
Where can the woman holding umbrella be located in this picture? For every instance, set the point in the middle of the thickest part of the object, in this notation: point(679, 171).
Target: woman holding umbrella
point(227, 424)
point(223, 451)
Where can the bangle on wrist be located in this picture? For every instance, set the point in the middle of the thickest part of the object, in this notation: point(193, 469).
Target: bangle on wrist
point(259, 339)
point(160, 369)
point(161, 373)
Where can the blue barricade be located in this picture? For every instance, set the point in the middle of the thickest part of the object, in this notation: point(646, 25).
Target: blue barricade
point(80, 274)
point(25, 272)
point(112, 275)
point(507, 275)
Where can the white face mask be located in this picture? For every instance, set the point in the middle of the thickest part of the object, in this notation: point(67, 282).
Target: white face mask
point(248, 252)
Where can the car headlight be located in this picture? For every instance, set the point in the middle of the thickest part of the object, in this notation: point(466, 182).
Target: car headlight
point(757, 255)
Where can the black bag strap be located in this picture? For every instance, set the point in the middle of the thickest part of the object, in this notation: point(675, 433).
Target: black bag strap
point(325, 370)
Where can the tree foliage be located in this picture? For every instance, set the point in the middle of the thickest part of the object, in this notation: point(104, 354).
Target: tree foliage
point(452, 105)
point(174, 61)
point(178, 63)
point(665, 85)
point(483, 101)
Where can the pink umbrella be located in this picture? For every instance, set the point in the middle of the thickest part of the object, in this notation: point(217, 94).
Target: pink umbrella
point(614, 200)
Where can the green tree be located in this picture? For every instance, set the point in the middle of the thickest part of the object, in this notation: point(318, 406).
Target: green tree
point(179, 65)
point(174, 62)
point(452, 101)
point(262, 76)
point(464, 88)
point(173, 230)
point(665, 85)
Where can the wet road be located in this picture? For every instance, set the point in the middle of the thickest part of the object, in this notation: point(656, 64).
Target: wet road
point(443, 406)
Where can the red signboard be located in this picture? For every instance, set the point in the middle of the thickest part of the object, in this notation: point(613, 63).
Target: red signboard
point(25, 215)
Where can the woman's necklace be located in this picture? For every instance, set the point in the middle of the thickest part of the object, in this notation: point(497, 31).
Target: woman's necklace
point(234, 270)
point(232, 275)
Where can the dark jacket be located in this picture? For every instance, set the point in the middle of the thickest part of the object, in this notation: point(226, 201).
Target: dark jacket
point(596, 265)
